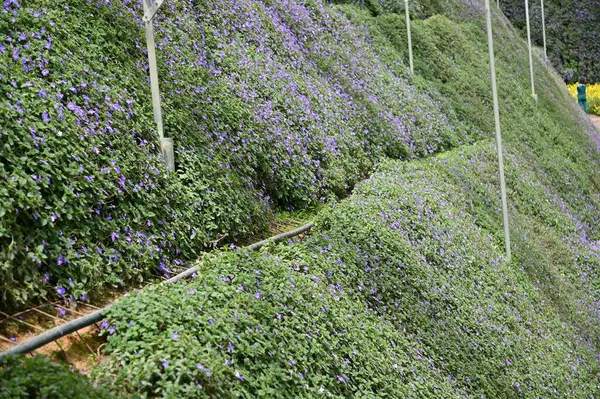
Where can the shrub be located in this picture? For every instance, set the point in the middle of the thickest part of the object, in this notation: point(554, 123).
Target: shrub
point(38, 377)
point(594, 106)
point(572, 32)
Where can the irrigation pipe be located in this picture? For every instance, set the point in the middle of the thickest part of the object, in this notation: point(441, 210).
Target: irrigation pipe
point(97, 316)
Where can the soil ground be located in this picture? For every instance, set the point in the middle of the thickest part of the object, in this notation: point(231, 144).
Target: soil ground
point(596, 120)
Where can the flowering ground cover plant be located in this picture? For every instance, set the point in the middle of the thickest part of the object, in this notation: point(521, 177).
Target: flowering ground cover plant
point(402, 290)
point(264, 110)
point(272, 105)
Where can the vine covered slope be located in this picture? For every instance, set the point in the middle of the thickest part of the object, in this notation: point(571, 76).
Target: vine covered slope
point(401, 290)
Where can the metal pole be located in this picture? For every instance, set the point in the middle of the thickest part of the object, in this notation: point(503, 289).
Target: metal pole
point(410, 54)
point(488, 15)
point(153, 72)
point(544, 30)
point(530, 52)
point(166, 144)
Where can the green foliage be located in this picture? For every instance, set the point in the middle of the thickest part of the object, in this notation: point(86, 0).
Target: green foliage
point(251, 326)
point(572, 33)
point(594, 105)
point(405, 279)
point(38, 377)
point(258, 96)
point(402, 290)
point(85, 199)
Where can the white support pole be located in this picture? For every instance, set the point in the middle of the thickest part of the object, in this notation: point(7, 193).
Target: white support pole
point(166, 144)
point(408, 34)
point(488, 15)
point(153, 72)
point(530, 51)
point(544, 31)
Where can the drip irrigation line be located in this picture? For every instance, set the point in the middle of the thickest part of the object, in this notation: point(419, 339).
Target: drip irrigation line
point(281, 236)
point(74, 325)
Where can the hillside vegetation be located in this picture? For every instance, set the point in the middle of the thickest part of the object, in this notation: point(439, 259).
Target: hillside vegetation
point(271, 105)
point(402, 289)
point(572, 34)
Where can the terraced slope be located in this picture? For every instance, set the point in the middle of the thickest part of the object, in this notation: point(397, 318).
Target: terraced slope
point(403, 289)
point(272, 105)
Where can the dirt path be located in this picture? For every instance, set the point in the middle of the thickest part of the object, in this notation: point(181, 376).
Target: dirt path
point(596, 120)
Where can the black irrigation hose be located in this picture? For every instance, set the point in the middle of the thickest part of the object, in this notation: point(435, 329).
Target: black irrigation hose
point(92, 318)
point(53, 334)
point(281, 236)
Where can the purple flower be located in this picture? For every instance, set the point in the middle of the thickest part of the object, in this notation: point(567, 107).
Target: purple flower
point(165, 364)
point(192, 291)
point(211, 321)
point(61, 291)
point(62, 312)
point(239, 376)
point(45, 72)
point(341, 379)
point(53, 217)
point(84, 297)
point(104, 325)
point(12, 339)
point(257, 295)
point(114, 236)
point(175, 336)
point(62, 260)
point(45, 117)
point(111, 330)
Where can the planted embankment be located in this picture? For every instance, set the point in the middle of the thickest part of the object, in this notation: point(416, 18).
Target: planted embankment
point(258, 96)
point(402, 290)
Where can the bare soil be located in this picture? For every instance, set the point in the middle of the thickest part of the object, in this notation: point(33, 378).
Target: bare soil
point(596, 120)
point(80, 350)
